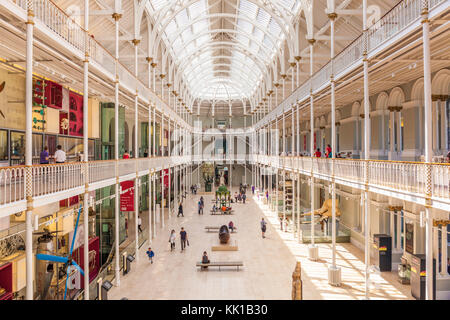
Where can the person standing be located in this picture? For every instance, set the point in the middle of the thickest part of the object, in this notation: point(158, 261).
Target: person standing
point(172, 240)
point(44, 156)
point(180, 210)
point(243, 198)
point(60, 155)
point(126, 227)
point(199, 206)
point(263, 227)
point(139, 224)
point(183, 239)
point(318, 154)
point(253, 189)
point(328, 152)
point(150, 254)
point(281, 223)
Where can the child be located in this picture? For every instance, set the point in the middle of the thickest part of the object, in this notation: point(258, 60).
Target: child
point(150, 254)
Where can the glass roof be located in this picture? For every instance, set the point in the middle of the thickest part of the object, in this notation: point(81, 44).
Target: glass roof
point(255, 39)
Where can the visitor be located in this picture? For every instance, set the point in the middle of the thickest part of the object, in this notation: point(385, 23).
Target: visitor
point(172, 240)
point(263, 227)
point(267, 196)
point(203, 201)
point(214, 208)
point(44, 156)
point(60, 155)
point(243, 198)
point(281, 223)
point(145, 153)
point(286, 223)
point(183, 239)
point(139, 224)
point(150, 254)
point(180, 210)
point(253, 189)
point(235, 197)
point(126, 155)
point(231, 226)
point(126, 227)
point(200, 207)
point(318, 154)
point(328, 152)
point(205, 259)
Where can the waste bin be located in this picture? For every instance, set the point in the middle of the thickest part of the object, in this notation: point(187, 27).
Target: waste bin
point(418, 276)
point(102, 289)
point(127, 259)
point(383, 257)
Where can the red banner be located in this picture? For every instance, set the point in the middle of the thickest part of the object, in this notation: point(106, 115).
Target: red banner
point(75, 114)
point(127, 198)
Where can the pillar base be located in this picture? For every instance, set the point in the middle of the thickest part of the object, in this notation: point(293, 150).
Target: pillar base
point(313, 251)
point(334, 276)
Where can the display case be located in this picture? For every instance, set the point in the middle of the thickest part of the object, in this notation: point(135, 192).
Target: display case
point(6, 281)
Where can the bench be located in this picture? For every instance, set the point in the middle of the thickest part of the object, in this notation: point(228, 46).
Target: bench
point(209, 228)
point(215, 213)
point(221, 264)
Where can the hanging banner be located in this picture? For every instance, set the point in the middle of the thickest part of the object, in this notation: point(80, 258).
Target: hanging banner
point(127, 198)
point(75, 114)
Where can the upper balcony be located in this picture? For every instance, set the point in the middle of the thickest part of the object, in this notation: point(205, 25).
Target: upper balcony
point(54, 182)
point(398, 179)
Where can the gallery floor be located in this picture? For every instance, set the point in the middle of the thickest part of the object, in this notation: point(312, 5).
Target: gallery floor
point(268, 263)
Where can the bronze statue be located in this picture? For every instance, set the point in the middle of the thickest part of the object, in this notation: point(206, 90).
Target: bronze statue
point(224, 234)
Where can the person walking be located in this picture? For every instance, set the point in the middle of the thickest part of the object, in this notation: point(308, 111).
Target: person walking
point(172, 240)
point(243, 198)
point(180, 210)
point(281, 223)
point(263, 227)
point(253, 189)
point(286, 224)
point(139, 224)
point(183, 239)
point(150, 254)
point(199, 207)
point(60, 155)
point(44, 156)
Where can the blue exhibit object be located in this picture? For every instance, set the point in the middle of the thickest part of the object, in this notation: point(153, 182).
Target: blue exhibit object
point(66, 260)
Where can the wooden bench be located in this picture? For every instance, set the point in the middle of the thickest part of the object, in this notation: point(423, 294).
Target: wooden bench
point(209, 228)
point(215, 213)
point(221, 264)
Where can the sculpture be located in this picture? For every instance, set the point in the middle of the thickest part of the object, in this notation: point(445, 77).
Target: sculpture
point(224, 234)
point(326, 211)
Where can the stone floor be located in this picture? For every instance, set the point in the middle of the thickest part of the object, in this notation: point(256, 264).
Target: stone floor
point(268, 263)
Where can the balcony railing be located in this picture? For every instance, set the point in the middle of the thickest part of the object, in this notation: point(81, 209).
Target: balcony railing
point(49, 179)
point(409, 177)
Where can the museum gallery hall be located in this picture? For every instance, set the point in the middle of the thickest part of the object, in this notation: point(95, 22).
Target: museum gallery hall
point(224, 150)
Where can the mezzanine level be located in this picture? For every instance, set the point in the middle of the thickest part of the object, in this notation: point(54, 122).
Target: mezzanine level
point(54, 182)
point(397, 179)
